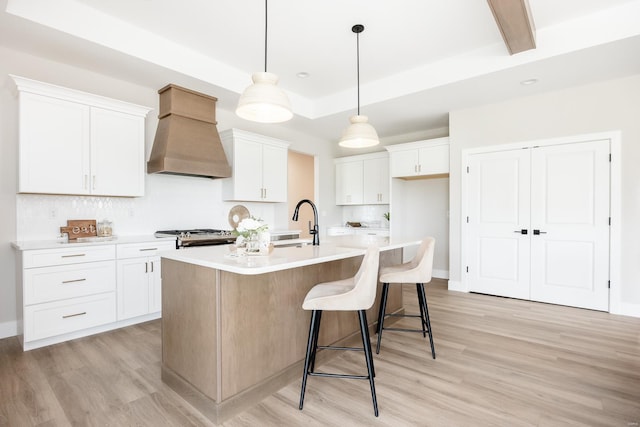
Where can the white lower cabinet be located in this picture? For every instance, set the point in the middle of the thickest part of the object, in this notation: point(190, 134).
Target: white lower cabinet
point(139, 279)
point(74, 291)
point(70, 315)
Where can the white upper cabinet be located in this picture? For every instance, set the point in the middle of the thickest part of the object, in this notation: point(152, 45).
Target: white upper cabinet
point(73, 142)
point(362, 179)
point(421, 158)
point(376, 181)
point(259, 167)
point(349, 183)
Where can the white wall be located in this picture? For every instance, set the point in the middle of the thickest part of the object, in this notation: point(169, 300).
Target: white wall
point(420, 208)
point(607, 106)
point(170, 201)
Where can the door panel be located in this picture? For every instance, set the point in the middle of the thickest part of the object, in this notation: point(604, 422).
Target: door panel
point(559, 195)
point(570, 201)
point(498, 211)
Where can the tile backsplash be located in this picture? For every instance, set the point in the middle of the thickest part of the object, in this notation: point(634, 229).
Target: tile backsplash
point(41, 216)
point(370, 215)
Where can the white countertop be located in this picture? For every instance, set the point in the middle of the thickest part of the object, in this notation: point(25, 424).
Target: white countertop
point(60, 244)
point(283, 258)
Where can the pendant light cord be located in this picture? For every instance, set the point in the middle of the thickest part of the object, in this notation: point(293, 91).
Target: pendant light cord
point(265, 35)
point(358, 67)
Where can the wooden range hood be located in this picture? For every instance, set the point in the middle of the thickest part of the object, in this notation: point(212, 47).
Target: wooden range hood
point(187, 140)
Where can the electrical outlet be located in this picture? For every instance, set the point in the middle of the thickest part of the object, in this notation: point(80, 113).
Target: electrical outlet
point(53, 213)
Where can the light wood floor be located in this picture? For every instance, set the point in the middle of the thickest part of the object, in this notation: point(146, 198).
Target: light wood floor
point(500, 362)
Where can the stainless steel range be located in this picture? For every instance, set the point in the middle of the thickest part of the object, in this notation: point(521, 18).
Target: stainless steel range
point(198, 237)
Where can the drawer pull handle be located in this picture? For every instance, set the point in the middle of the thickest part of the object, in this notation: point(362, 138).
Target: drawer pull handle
point(148, 249)
point(73, 281)
point(74, 315)
point(71, 256)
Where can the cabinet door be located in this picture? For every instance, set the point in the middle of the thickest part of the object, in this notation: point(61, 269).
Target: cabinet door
point(133, 287)
point(434, 160)
point(54, 146)
point(274, 174)
point(376, 181)
point(349, 181)
point(404, 163)
point(117, 153)
point(247, 173)
point(155, 285)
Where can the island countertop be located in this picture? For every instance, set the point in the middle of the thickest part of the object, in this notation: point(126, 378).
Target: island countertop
point(283, 258)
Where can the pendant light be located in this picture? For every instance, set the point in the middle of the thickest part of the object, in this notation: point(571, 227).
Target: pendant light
point(359, 134)
point(263, 101)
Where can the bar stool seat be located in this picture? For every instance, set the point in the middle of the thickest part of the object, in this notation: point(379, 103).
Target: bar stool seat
point(417, 271)
point(356, 293)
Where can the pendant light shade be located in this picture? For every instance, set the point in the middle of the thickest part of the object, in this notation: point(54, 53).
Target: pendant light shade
point(264, 101)
point(360, 133)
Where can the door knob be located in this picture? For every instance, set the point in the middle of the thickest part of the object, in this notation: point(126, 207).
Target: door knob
point(537, 232)
point(523, 231)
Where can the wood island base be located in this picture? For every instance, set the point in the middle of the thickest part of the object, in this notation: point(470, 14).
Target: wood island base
point(229, 340)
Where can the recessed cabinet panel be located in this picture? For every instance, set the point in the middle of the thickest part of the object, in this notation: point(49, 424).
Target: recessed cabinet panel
point(53, 150)
point(404, 163)
point(376, 181)
point(274, 182)
point(116, 153)
point(349, 179)
point(434, 160)
point(259, 167)
point(247, 171)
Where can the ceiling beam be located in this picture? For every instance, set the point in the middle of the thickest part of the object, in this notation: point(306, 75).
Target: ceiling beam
point(515, 22)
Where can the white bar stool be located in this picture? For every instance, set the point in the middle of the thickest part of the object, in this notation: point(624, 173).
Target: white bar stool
point(417, 271)
point(355, 293)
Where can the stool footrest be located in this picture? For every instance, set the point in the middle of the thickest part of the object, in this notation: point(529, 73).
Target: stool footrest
point(330, 347)
point(402, 329)
point(401, 315)
point(351, 377)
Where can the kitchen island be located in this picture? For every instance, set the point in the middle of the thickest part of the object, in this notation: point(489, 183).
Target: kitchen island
point(233, 328)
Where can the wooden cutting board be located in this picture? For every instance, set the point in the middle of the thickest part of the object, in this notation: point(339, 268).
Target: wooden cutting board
point(80, 228)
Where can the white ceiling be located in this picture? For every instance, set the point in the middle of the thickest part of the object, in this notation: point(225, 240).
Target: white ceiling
point(419, 59)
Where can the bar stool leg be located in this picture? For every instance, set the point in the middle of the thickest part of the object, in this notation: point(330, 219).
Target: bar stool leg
point(316, 334)
point(362, 314)
point(381, 314)
point(426, 312)
point(423, 320)
point(310, 352)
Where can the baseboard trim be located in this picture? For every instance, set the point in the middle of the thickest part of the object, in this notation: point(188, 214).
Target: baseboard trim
point(455, 285)
point(440, 274)
point(8, 329)
point(629, 309)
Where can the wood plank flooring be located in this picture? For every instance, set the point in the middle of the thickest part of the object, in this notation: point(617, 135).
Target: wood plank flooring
point(500, 362)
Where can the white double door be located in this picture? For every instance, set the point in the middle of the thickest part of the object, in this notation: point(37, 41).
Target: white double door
point(538, 224)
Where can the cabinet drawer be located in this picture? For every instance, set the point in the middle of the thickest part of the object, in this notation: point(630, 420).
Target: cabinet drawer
point(150, 249)
point(68, 281)
point(67, 255)
point(61, 317)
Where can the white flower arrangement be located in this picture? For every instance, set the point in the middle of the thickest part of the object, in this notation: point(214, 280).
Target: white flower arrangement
point(250, 227)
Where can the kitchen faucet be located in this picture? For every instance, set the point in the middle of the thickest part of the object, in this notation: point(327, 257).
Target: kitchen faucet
point(312, 230)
